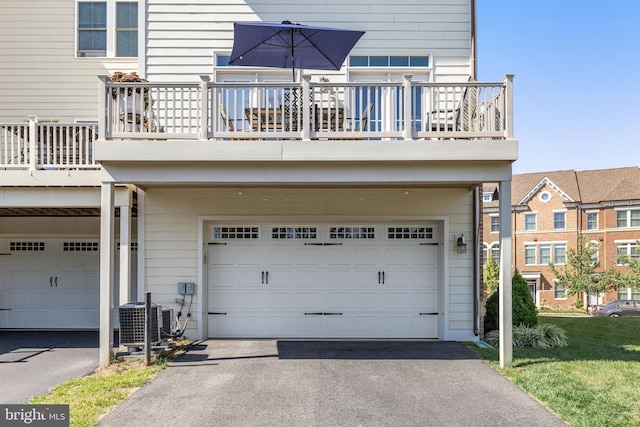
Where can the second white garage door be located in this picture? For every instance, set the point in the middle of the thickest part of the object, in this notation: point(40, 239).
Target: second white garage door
point(324, 281)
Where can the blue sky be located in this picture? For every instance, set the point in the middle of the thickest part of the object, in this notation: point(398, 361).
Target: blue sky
point(577, 79)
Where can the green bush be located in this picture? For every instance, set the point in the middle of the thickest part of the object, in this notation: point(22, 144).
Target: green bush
point(523, 308)
point(539, 336)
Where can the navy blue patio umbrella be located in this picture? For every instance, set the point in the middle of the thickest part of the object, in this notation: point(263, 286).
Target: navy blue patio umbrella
point(289, 45)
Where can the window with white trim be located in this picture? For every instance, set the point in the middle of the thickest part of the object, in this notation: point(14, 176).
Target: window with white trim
point(559, 292)
point(626, 250)
point(107, 29)
point(530, 221)
point(495, 252)
point(543, 253)
point(559, 220)
point(628, 218)
point(592, 220)
point(495, 224)
point(560, 253)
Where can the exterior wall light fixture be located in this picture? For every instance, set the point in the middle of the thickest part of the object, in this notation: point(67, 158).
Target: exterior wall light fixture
point(461, 244)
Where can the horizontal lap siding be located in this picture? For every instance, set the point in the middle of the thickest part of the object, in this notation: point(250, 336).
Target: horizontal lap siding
point(39, 73)
point(182, 38)
point(171, 228)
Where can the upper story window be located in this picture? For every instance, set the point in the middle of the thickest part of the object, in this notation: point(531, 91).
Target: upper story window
point(544, 253)
point(530, 220)
point(626, 250)
point(559, 220)
point(107, 29)
point(487, 197)
point(495, 224)
point(592, 220)
point(628, 218)
point(389, 61)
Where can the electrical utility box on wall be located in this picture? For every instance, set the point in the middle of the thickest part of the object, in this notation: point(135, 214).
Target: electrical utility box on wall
point(186, 288)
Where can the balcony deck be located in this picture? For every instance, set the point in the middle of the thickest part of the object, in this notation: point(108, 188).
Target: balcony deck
point(416, 117)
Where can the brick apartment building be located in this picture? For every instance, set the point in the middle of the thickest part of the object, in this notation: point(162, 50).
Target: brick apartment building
point(548, 211)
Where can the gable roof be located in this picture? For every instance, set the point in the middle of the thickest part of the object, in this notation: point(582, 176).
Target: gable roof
point(590, 186)
point(564, 182)
point(609, 185)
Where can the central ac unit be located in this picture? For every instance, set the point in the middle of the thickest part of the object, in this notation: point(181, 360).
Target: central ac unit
point(132, 322)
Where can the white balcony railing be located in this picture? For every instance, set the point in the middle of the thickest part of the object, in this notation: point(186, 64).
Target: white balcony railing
point(47, 145)
point(404, 110)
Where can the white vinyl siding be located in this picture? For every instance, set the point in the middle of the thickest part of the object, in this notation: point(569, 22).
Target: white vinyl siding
point(181, 40)
point(40, 74)
point(171, 229)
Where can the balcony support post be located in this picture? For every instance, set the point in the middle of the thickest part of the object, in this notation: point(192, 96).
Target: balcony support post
point(203, 133)
point(407, 132)
point(306, 107)
point(102, 107)
point(508, 83)
point(33, 138)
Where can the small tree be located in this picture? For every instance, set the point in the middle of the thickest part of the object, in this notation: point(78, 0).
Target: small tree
point(523, 309)
point(491, 275)
point(579, 273)
point(632, 278)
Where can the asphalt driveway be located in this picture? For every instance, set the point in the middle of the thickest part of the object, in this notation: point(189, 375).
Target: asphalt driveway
point(329, 383)
point(33, 362)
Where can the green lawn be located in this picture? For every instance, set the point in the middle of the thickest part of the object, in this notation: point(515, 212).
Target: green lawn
point(594, 381)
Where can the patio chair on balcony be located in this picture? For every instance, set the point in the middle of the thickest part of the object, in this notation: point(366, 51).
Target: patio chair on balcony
point(460, 119)
point(363, 121)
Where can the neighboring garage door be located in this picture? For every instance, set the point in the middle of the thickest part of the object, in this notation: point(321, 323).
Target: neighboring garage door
point(49, 284)
point(324, 281)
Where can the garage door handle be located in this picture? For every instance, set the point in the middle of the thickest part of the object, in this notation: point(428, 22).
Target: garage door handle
point(380, 277)
point(383, 277)
point(56, 281)
point(51, 281)
point(263, 277)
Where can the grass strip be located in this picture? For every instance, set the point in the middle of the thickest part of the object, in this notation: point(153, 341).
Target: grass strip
point(91, 397)
point(591, 382)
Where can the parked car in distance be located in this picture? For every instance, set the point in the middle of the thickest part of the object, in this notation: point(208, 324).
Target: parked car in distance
point(617, 309)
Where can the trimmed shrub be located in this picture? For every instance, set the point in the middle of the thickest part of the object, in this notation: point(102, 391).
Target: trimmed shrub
point(524, 310)
point(539, 336)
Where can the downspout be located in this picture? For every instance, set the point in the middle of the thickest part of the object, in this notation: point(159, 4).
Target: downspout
point(477, 283)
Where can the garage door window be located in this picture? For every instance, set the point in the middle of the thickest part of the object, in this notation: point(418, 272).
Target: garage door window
point(236, 232)
point(80, 246)
point(294, 232)
point(404, 233)
point(26, 246)
point(352, 232)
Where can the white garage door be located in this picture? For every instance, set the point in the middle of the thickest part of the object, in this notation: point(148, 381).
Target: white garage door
point(325, 281)
point(49, 284)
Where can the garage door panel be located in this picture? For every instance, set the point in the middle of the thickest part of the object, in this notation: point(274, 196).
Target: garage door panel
point(250, 325)
point(425, 255)
point(249, 300)
point(363, 256)
point(221, 301)
point(425, 326)
point(340, 326)
point(249, 256)
point(425, 302)
point(365, 326)
point(309, 278)
point(281, 256)
point(340, 301)
point(368, 300)
point(424, 279)
point(310, 301)
point(310, 326)
point(396, 256)
point(228, 278)
point(281, 326)
point(280, 301)
point(397, 300)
